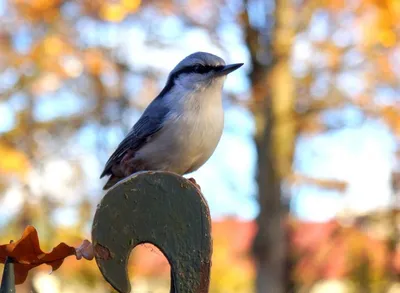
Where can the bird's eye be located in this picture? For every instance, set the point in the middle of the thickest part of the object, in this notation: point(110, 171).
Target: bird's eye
point(198, 68)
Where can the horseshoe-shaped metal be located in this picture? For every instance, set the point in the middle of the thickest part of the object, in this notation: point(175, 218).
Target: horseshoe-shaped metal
point(160, 208)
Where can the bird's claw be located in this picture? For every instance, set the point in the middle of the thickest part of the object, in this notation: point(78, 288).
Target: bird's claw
point(195, 183)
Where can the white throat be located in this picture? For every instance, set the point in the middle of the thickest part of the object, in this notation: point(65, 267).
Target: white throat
point(198, 96)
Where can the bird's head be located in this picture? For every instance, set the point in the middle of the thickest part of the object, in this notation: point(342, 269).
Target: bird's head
point(200, 70)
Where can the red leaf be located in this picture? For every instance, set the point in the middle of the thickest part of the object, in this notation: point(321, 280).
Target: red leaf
point(27, 254)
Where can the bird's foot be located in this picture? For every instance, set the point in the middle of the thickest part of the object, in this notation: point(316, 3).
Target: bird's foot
point(195, 183)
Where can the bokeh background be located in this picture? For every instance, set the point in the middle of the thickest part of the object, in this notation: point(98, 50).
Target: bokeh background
point(304, 186)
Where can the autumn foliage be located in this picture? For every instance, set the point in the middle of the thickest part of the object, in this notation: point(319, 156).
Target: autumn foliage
point(27, 254)
point(70, 84)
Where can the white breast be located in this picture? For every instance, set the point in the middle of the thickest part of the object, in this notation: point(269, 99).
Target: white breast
point(206, 130)
point(191, 135)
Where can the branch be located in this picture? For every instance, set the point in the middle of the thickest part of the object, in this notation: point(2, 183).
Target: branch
point(329, 184)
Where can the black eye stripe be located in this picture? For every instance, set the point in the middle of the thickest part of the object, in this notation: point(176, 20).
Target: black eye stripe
point(198, 68)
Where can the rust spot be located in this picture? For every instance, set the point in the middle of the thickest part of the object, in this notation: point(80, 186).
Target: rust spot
point(205, 267)
point(102, 252)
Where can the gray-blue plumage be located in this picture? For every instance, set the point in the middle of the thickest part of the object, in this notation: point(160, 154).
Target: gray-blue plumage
point(148, 124)
point(181, 127)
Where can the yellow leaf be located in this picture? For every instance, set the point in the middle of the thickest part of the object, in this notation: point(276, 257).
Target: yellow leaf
point(131, 5)
point(94, 62)
point(387, 38)
point(13, 161)
point(53, 45)
point(114, 12)
point(336, 5)
point(394, 8)
point(42, 4)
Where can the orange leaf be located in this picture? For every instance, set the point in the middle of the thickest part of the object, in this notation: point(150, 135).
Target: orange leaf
point(27, 254)
point(13, 161)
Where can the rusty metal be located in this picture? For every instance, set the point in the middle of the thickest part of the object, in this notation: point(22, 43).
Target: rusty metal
point(8, 280)
point(160, 208)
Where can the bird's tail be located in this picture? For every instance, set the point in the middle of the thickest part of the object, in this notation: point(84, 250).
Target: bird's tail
point(112, 181)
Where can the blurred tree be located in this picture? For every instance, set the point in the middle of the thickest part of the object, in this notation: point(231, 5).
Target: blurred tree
point(294, 98)
point(352, 54)
point(272, 106)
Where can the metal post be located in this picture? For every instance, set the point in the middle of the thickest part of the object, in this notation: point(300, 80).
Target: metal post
point(8, 280)
point(163, 209)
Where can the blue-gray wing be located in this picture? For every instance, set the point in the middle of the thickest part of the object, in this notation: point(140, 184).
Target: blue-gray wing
point(149, 123)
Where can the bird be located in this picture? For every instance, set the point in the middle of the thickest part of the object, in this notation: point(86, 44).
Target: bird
point(181, 128)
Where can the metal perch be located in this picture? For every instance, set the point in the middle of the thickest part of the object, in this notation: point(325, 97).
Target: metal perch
point(160, 208)
point(8, 280)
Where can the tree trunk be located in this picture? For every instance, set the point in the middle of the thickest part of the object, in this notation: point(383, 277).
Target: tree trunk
point(268, 247)
point(273, 109)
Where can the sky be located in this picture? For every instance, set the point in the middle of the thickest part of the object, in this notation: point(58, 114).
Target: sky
point(361, 155)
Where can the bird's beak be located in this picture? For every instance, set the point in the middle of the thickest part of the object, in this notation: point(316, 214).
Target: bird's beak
point(228, 69)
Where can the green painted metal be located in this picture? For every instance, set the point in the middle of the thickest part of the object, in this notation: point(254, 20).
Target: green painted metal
point(8, 280)
point(160, 208)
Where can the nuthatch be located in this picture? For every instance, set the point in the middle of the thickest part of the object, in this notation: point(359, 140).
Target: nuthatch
point(181, 127)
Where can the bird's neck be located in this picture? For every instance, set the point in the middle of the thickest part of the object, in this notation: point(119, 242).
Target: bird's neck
point(200, 97)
